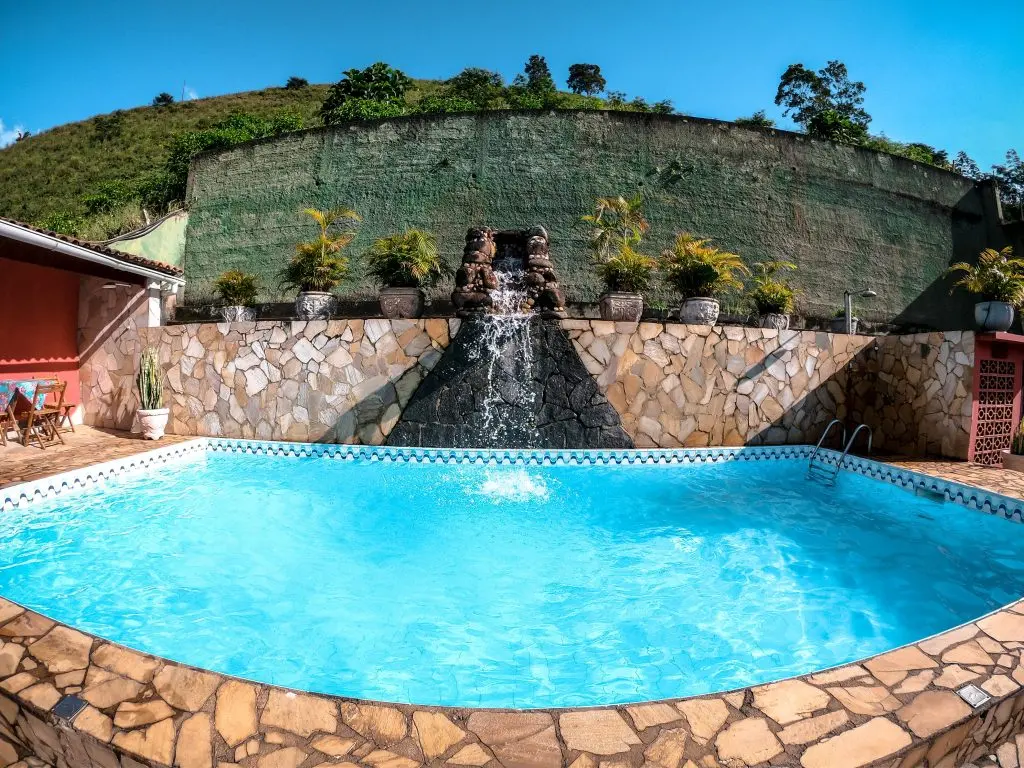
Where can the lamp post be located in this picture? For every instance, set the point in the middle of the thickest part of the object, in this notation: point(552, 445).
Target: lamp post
point(864, 293)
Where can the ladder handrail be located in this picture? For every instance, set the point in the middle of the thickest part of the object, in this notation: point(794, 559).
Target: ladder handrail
point(822, 439)
point(850, 444)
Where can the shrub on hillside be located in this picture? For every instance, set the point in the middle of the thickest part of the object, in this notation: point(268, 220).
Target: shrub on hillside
point(377, 83)
point(294, 83)
point(163, 99)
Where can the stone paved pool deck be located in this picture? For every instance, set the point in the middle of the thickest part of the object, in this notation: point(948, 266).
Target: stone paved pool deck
point(897, 709)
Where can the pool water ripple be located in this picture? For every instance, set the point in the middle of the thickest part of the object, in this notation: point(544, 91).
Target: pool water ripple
point(505, 586)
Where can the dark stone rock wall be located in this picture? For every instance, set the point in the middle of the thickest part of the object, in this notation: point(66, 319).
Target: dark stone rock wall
point(508, 383)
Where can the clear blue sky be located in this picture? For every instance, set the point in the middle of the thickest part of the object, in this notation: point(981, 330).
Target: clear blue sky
point(944, 72)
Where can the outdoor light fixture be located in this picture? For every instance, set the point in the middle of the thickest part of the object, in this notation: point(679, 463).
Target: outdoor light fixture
point(114, 284)
point(864, 293)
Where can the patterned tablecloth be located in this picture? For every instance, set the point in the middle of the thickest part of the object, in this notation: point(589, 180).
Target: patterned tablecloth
point(26, 387)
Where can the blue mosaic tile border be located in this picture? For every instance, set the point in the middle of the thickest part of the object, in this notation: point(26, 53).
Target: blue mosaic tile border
point(957, 493)
point(14, 496)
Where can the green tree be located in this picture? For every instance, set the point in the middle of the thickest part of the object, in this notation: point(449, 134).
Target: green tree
point(538, 77)
point(295, 83)
point(163, 99)
point(480, 86)
point(806, 94)
point(586, 79)
point(757, 120)
point(377, 83)
point(834, 126)
point(1010, 178)
point(965, 166)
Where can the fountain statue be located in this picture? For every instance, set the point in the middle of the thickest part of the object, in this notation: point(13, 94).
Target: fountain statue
point(511, 378)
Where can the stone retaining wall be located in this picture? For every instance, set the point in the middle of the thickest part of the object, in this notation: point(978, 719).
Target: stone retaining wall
point(678, 385)
point(673, 385)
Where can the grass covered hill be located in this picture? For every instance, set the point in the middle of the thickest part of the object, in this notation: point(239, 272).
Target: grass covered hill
point(48, 173)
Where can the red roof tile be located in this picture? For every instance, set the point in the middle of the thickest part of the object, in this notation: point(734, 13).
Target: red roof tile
point(127, 258)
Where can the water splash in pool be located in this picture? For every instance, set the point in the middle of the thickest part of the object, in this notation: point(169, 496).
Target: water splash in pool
point(513, 485)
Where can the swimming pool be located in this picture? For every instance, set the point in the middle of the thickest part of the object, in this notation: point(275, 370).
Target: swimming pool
point(440, 578)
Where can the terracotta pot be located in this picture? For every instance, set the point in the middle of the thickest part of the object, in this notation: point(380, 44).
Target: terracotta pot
point(401, 303)
point(238, 314)
point(699, 311)
point(838, 325)
point(1012, 461)
point(774, 320)
point(153, 422)
point(315, 305)
point(622, 307)
point(993, 315)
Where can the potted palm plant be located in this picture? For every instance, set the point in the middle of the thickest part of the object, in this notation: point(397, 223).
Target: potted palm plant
point(618, 227)
point(998, 279)
point(404, 264)
point(700, 273)
point(237, 291)
point(150, 381)
point(626, 275)
point(771, 296)
point(1013, 457)
point(318, 266)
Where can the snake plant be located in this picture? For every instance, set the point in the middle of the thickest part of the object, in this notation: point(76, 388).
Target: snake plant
point(150, 380)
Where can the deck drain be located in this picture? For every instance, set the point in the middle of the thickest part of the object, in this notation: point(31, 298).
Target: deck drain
point(973, 695)
point(68, 707)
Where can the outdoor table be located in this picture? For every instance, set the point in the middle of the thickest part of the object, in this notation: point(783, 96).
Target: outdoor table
point(16, 396)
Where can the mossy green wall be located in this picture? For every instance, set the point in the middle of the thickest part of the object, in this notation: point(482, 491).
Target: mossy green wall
point(165, 242)
point(846, 216)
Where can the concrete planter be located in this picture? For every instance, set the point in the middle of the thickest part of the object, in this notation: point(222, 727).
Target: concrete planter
point(1012, 461)
point(622, 307)
point(153, 422)
point(315, 305)
point(699, 311)
point(238, 314)
point(838, 325)
point(401, 303)
point(774, 320)
point(993, 315)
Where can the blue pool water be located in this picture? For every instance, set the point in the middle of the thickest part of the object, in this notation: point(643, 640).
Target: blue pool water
point(516, 586)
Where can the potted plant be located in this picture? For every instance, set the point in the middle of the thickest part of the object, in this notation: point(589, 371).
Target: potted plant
point(237, 291)
point(618, 227)
point(626, 275)
point(700, 273)
point(403, 264)
point(998, 279)
point(772, 297)
point(150, 381)
point(838, 322)
point(1013, 457)
point(318, 266)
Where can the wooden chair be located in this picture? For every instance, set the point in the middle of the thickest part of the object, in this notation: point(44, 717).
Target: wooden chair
point(43, 417)
point(65, 416)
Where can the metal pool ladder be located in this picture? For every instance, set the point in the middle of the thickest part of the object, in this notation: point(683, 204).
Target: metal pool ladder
point(823, 470)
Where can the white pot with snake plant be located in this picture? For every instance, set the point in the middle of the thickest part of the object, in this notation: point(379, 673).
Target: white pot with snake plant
point(150, 381)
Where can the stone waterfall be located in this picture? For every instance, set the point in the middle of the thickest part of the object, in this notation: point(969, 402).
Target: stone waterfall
point(511, 378)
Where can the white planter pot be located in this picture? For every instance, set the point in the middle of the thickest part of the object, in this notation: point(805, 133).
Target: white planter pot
point(622, 307)
point(699, 311)
point(993, 315)
point(153, 422)
point(315, 305)
point(238, 314)
point(774, 320)
point(1012, 462)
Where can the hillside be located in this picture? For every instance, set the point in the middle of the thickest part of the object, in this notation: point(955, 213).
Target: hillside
point(48, 173)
